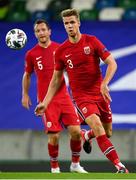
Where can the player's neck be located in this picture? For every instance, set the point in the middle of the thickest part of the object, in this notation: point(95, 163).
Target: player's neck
point(76, 38)
point(45, 44)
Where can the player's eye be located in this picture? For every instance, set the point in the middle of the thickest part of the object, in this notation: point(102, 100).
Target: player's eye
point(66, 23)
point(72, 22)
point(43, 29)
point(37, 31)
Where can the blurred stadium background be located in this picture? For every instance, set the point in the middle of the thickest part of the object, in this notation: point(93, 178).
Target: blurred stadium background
point(23, 144)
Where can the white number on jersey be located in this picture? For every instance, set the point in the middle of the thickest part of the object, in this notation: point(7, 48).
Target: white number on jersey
point(39, 64)
point(70, 64)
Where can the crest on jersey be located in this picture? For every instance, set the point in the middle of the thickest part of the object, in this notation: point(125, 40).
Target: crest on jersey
point(84, 110)
point(49, 124)
point(87, 50)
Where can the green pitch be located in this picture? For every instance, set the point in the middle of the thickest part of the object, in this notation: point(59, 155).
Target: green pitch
point(69, 176)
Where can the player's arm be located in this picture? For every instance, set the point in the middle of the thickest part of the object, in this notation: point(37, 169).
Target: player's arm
point(26, 101)
point(52, 89)
point(111, 69)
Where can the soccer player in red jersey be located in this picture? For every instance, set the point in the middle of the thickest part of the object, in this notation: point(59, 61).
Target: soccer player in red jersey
point(61, 111)
point(80, 56)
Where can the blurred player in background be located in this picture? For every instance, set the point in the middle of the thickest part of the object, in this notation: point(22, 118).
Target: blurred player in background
point(61, 111)
point(80, 56)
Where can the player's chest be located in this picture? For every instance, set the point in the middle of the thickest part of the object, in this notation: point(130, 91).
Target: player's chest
point(79, 56)
point(43, 60)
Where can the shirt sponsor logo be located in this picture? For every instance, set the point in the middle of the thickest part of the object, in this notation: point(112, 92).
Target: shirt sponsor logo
point(87, 50)
point(37, 58)
point(84, 110)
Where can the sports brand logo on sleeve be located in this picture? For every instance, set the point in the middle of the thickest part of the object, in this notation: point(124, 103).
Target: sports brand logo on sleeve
point(104, 50)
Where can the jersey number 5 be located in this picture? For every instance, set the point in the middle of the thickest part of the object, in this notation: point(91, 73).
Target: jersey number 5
point(39, 64)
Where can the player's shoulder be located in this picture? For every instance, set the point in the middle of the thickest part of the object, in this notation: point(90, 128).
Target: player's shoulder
point(89, 37)
point(62, 46)
point(32, 50)
point(55, 44)
point(31, 53)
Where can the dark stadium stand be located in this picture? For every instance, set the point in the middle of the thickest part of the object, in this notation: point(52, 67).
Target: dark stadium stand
point(26, 10)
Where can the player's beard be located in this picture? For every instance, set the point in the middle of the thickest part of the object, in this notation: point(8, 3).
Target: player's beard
point(44, 40)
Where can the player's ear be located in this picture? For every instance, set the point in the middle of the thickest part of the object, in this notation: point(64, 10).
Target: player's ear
point(49, 31)
point(35, 34)
point(79, 23)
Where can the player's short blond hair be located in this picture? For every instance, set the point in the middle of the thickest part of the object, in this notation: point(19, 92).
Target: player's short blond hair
point(70, 12)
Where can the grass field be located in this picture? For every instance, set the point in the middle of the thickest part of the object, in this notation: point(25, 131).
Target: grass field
point(69, 176)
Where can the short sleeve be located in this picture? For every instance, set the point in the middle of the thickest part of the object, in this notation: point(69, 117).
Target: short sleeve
point(100, 48)
point(59, 64)
point(29, 67)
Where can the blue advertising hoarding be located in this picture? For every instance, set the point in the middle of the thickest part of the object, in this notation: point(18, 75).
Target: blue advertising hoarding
point(119, 38)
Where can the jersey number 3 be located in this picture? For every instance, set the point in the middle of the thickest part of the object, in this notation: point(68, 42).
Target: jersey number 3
point(70, 64)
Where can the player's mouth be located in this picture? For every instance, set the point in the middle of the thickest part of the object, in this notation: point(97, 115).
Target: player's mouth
point(71, 31)
point(42, 37)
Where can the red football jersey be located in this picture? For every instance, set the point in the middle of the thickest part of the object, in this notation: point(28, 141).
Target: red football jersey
point(82, 63)
point(41, 61)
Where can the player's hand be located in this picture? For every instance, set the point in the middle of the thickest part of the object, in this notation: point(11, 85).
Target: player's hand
point(40, 109)
point(105, 92)
point(26, 101)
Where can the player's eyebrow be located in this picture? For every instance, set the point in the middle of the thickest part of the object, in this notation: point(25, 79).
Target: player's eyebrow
point(70, 22)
